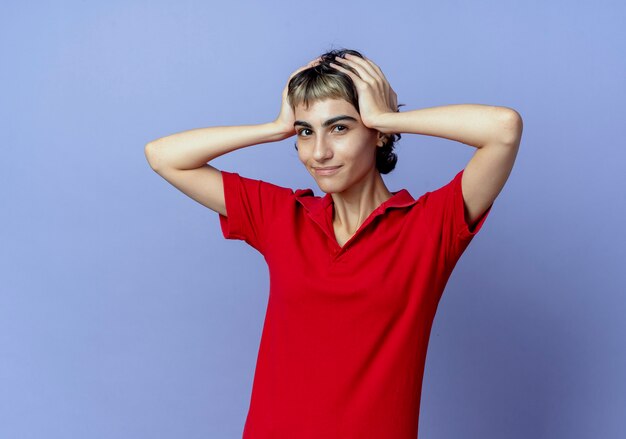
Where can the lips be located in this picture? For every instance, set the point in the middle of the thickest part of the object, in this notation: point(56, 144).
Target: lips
point(327, 170)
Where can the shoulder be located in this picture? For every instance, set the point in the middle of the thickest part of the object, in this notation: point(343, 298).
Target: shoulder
point(258, 186)
point(444, 191)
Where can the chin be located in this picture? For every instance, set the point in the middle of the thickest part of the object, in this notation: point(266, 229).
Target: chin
point(330, 187)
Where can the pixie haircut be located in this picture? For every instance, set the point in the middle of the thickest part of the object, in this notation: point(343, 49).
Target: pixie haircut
point(325, 82)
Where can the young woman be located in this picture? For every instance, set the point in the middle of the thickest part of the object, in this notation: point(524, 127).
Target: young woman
point(355, 275)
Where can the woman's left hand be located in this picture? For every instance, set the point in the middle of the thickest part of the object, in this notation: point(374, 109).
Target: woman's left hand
point(376, 96)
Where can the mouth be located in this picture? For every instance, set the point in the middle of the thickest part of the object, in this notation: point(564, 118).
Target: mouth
point(329, 170)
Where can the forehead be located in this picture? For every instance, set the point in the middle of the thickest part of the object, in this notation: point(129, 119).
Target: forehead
point(323, 109)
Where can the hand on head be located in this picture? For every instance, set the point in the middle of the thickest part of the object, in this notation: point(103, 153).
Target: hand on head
point(286, 117)
point(376, 96)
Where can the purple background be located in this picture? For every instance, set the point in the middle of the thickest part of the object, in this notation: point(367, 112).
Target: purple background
point(124, 313)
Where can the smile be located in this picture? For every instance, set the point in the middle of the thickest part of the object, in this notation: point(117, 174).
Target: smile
point(327, 171)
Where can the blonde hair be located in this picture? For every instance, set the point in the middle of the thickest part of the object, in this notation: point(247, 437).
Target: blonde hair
point(323, 81)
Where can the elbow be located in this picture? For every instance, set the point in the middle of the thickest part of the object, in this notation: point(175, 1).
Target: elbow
point(511, 126)
point(150, 151)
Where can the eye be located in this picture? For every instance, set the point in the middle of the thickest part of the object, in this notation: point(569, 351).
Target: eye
point(302, 130)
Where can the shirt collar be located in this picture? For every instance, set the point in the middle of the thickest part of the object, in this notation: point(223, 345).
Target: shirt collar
point(316, 206)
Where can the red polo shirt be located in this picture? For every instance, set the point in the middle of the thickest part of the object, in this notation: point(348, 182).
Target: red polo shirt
point(344, 341)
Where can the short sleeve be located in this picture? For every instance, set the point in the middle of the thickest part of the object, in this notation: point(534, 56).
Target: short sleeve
point(446, 210)
point(251, 207)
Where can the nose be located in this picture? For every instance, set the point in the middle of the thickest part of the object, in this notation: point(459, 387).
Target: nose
point(323, 150)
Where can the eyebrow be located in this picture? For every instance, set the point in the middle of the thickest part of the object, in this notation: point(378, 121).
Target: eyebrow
point(327, 123)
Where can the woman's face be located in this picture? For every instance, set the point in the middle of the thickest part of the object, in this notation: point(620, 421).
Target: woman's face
point(330, 134)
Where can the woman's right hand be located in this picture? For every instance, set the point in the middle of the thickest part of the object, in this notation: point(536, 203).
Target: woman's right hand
point(286, 117)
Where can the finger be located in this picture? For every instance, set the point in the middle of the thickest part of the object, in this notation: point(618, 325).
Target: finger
point(384, 80)
point(375, 71)
point(375, 67)
point(359, 74)
point(393, 103)
point(364, 63)
point(355, 77)
point(309, 65)
point(315, 61)
point(363, 73)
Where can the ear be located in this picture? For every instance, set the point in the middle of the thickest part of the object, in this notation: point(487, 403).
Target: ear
point(382, 138)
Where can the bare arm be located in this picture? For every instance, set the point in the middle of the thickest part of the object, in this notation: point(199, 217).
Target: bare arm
point(495, 132)
point(182, 158)
point(194, 148)
point(473, 124)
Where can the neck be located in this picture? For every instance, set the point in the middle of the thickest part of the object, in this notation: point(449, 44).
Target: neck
point(355, 204)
